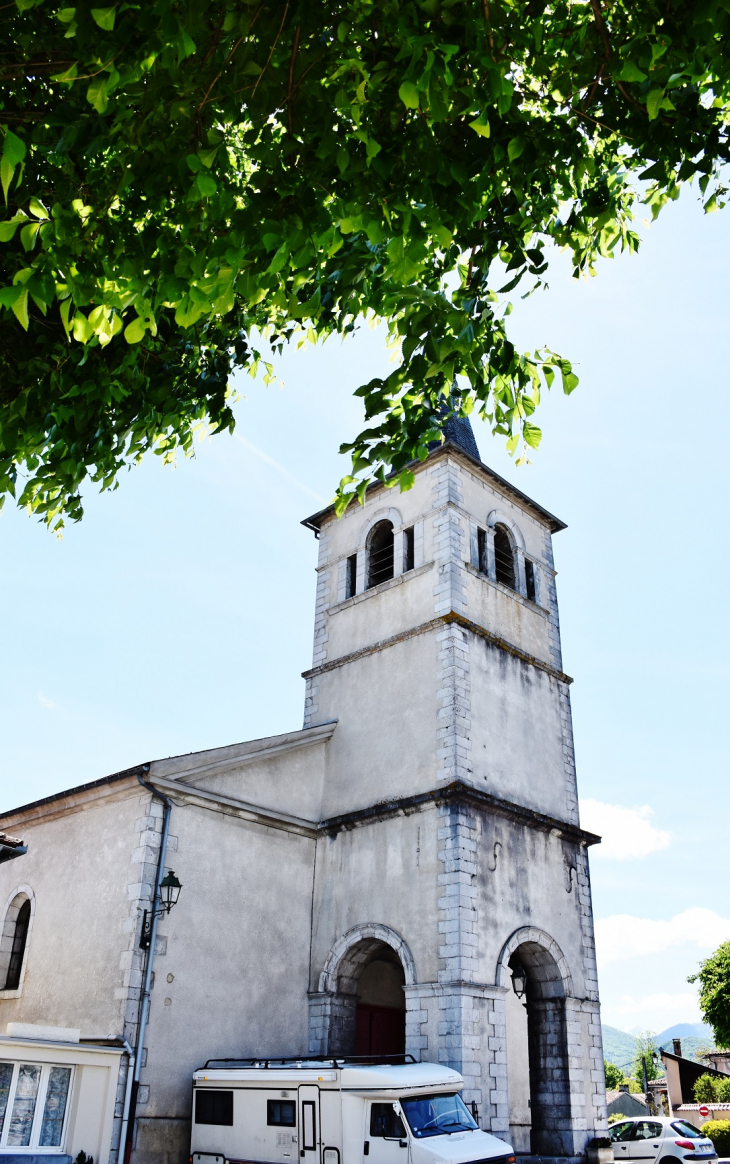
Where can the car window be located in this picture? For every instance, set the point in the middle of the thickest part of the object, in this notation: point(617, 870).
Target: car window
point(621, 1132)
point(385, 1121)
point(437, 1115)
point(646, 1130)
point(688, 1130)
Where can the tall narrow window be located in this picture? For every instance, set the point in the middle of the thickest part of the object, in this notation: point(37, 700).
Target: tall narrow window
point(380, 554)
point(503, 557)
point(530, 579)
point(482, 550)
point(20, 937)
point(351, 576)
point(409, 549)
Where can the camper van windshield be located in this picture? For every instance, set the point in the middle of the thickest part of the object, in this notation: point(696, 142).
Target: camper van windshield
point(437, 1115)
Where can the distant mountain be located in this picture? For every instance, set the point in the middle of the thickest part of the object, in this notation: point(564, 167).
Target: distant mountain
point(619, 1047)
point(686, 1031)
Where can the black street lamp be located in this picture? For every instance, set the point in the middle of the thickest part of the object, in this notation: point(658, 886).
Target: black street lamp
point(169, 891)
point(519, 980)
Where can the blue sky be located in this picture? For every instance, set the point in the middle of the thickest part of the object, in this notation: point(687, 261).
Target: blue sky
point(178, 615)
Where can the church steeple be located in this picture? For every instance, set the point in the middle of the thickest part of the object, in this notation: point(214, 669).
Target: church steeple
point(457, 431)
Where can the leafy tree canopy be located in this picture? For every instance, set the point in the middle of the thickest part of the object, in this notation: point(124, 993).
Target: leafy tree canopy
point(714, 979)
point(183, 175)
point(644, 1056)
point(614, 1076)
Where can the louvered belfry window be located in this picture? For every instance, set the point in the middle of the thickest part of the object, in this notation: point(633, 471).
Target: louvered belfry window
point(380, 555)
point(504, 559)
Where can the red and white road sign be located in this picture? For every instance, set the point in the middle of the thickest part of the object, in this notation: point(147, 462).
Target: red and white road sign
point(704, 1111)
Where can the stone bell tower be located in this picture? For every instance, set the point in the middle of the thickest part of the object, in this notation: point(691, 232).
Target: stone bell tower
point(450, 801)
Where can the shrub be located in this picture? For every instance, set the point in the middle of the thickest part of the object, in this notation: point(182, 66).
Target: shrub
point(723, 1090)
point(617, 1115)
point(705, 1089)
point(719, 1133)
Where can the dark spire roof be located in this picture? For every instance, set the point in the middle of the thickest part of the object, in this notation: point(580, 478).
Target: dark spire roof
point(457, 430)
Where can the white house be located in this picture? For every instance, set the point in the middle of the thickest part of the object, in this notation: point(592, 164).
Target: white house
point(388, 879)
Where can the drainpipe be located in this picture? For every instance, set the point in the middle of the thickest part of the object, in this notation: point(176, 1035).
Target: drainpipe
point(149, 959)
point(127, 1099)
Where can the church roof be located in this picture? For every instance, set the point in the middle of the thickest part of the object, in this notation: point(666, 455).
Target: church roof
point(459, 435)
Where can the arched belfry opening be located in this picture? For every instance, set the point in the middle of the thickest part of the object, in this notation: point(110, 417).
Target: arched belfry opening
point(380, 553)
point(360, 1008)
point(537, 1053)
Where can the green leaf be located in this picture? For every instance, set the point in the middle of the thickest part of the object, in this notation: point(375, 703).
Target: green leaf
point(37, 208)
point(96, 94)
point(81, 328)
point(13, 148)
point(481, 126)
point(654, 103)
point(186, 46)
point(631, 72)
point(206, 184)
point(515, 148)
point(408, 94)
point(19, 306)
point(6, 176)
point(65, 15)
point(134, 331)
point(28, 235)
point(105, 17)
point(532, 434)
point(9, 227)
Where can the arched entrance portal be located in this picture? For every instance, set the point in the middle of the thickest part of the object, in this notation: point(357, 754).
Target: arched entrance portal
point(537, 1045)
point(381, 1006)
point(360, 1007)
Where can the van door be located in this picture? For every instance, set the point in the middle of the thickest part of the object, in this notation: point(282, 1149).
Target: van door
point(387, 1141)
point(309, 1132)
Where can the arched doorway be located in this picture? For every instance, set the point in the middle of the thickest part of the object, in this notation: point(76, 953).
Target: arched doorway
point(537, 1046)
point(360, 1007)
point(381, 1006)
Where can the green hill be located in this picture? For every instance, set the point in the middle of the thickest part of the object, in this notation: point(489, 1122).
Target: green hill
point(619, 1047)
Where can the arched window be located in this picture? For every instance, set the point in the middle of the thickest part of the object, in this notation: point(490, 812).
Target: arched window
point(504, 559)
point(380, 553)
point(19, 933)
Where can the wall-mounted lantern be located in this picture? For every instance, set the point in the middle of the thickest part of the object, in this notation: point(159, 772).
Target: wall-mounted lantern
point(519, 980)
point(169, 893)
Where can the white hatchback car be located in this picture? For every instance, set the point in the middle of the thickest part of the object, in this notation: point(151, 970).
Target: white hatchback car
point(659, 1138)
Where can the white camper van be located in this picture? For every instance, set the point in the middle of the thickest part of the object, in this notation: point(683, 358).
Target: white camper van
point(335, 1111)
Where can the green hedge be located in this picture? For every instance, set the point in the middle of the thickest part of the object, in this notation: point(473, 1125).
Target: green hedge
point(719, 1133)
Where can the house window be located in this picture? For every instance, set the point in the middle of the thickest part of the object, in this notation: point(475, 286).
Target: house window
point(214, 1107)
point(281, 1113)
point(33, 1105)
point(380, 554)
point(530, 579)
point(409, 549)
point(482, 550)
point(503, 557)
point(20, 938)
point(351, 576)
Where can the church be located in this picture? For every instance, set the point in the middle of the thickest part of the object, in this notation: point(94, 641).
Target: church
point(406, 874)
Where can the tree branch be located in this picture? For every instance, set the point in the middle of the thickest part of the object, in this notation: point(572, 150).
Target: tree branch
point(271, 50)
